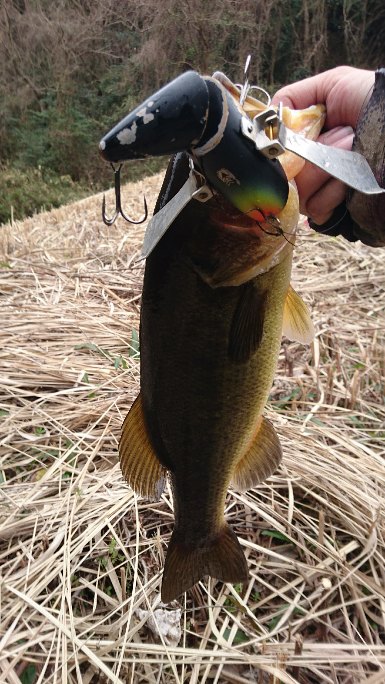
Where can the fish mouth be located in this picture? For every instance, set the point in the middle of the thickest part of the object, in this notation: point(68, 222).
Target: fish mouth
point(228, 218)
point(233, 220)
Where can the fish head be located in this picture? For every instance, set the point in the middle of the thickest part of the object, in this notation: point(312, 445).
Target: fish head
point(229, 248)
point(244, 244)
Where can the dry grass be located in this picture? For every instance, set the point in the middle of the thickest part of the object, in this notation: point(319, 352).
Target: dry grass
point(81, 555)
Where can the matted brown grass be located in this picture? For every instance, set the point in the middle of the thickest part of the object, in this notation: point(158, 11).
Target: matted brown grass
point(81, 555)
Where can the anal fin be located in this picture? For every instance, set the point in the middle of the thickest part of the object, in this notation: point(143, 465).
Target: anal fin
point(297, 324)
point(220, 556)
point(139, 463)
point(260, 460)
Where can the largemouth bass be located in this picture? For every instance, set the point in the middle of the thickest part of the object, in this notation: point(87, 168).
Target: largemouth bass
point(216, 300)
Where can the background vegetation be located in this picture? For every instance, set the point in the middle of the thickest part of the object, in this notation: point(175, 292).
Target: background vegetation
point(69, 69)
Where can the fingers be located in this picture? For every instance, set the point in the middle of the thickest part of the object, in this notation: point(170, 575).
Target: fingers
point(320, 193)
point(303, 93)
point(320, 206)
point(343, 90)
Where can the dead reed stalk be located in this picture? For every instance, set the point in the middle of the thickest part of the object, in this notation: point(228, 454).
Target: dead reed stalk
point(81, 555)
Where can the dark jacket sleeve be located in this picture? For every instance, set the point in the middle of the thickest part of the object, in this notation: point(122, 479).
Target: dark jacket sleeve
point(362, 217)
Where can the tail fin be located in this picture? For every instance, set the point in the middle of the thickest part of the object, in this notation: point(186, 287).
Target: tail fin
point(220, 557)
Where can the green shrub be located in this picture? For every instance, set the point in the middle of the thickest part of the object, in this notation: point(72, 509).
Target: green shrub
point(27, 191)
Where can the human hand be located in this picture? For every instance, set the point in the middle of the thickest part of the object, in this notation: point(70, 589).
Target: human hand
point(343, 91)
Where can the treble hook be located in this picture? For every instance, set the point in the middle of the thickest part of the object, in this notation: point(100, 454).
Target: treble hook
point(118, 203)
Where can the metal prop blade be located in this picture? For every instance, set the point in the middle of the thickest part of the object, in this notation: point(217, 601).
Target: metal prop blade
point(349, 167)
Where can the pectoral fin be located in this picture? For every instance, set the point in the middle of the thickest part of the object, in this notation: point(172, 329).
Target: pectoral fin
point(261, 459)
point(247, 324)
point(140, 465)
point(297, 324)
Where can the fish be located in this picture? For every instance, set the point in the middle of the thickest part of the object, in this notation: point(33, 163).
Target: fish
point(216, 300)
